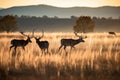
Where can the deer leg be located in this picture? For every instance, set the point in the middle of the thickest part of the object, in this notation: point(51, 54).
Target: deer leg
point(71, 49)
point(11, 47)
point(60, 48)
point(44, 51)
point(14, 54)
point(65, 48)
point(23, 48)
point(15, 49)
point(47, 50)
point(65, 51)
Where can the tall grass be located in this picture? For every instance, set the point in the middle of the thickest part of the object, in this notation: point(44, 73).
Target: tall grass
point(97, 58)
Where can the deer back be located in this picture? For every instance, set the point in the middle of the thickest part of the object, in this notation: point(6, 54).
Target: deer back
point(71, 42)
point(22, 42)
point(43, 44)
point(112, 33)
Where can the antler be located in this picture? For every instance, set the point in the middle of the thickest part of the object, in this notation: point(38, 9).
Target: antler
point(24, 34)
point(33, 33)
point(38, 37)
point(28, 35)
point(77, 34)
point(42, 35)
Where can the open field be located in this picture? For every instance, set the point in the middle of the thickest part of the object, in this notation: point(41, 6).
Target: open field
point(98, 58)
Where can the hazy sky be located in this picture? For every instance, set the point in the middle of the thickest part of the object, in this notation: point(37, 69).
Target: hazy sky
point(60, 3)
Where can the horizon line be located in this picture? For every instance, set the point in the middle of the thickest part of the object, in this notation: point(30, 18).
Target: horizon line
point(60, 6)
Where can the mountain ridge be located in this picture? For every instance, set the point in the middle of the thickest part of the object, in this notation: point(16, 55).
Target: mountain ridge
point(1, 8)
point(62, 12)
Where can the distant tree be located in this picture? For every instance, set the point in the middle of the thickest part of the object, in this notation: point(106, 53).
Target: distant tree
point(84, 24)
point(103, 18)
point(33, 17)
point(73, 17)
point(110, 18)
point(16, 16)
point(55, 17)
point(94, 18)
point(119, 17)
point(8, 23)
point(0, 17)
point(45, 17)
point(25, 16)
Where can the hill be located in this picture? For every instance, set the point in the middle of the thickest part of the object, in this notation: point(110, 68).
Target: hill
point(51, 11)
point(1, 8)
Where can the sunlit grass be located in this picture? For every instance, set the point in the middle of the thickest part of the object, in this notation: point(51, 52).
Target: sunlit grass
point(99, 54)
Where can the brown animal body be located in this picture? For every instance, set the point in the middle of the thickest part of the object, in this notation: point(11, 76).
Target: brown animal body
point(112, 33)
point(20, 43)
point(43, 45)
point(70, 42)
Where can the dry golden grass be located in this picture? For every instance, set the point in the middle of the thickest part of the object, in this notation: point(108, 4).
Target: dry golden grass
point(97, 58)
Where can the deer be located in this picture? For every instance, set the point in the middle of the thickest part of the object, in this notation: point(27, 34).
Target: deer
point(71, 42)
point(43, 45)
point(112, 33)
point(20, 43)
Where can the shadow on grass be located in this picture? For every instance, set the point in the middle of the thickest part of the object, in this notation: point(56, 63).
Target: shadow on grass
point(52, 72)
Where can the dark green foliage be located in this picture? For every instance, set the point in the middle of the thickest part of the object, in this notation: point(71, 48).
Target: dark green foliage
point(8, 23)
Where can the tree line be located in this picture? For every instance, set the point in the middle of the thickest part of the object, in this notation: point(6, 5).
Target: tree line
point(55, 17)
point(10, 23)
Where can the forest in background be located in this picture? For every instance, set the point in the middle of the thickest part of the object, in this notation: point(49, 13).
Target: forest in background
point(56, 24)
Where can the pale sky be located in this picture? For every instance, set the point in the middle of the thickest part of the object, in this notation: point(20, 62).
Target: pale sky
point(60, 3)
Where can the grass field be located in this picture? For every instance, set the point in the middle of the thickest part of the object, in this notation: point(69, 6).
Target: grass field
point(98, 58)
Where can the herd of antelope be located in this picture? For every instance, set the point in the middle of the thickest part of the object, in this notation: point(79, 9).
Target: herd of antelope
point(44, 45)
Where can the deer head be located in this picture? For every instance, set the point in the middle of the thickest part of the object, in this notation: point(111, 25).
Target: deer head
point(28, 37)
point(43, 45)
point(80, 37)
point(38, 38)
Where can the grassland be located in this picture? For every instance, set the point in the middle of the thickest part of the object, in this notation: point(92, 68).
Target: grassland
point(98, 58)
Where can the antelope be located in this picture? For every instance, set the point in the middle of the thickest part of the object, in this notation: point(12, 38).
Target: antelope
point(20, 43)
point(71, 42)
point(43, 45)
point(112, 33)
